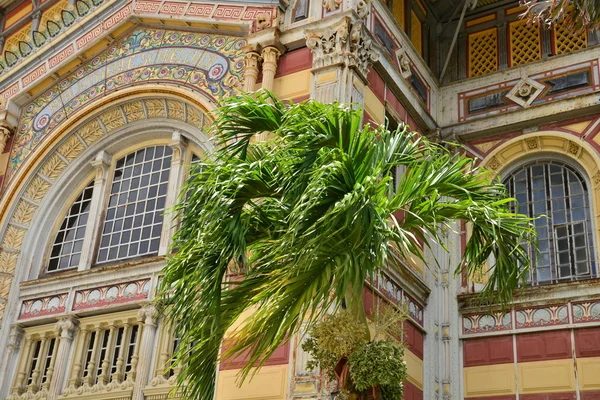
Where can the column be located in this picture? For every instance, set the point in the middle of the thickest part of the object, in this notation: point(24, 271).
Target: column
point(15, 340)
point(252, 59)
point(178, 144)
point(270, 55)
point(66, 327)
point(104, 377)
point(117, 377)
point(75, 377)
point(147, 315)
point(37, 373)
point(101, 164)
point(88, 380)
point(19, 386)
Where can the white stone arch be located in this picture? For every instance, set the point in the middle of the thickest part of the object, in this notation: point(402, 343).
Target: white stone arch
point(22, 253)
point(558, 146)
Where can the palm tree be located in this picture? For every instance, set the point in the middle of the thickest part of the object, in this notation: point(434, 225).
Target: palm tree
point(306, 217)
point(576, 14)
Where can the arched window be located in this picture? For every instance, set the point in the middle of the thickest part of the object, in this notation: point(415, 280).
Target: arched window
point(68, 242)
point(135, 208)
point(557, 194)
point(129, 217)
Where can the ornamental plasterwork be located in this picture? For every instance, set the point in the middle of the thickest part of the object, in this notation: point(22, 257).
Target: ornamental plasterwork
point(39, 185)
point(525, 92)
point(331, 5)
point(208, 64)
point(345, 42)
point(403, 63)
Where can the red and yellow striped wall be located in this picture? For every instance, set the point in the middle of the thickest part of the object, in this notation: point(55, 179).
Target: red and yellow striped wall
point(546, 365)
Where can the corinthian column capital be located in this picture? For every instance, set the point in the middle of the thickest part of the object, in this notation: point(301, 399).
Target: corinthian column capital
point(6, 129)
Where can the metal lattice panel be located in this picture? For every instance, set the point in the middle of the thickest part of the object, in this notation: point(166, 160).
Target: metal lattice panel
point(137, 200)
point(566, 41)
point(525, 45)
point(565, 237)
point(68, 242)
point(483, 52)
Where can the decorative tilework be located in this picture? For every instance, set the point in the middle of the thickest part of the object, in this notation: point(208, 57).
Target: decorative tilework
point(542, 316)
point(206, 63)
point(50, 27)
point(112, 294)
point(586, 311)
point(44, 306)
point(478, 323)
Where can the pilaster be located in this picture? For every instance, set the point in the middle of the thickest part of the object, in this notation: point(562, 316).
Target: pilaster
point(178, 144)
point(101, 165)
point(146, 315)
point(66, 328)
point(14, 346)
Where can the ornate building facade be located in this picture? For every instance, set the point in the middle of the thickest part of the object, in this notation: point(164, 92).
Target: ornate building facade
point(104, 105)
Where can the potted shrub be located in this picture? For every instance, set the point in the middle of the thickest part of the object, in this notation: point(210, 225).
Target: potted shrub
point(364, 366)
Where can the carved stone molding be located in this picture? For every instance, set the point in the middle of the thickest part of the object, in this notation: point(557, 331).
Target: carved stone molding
point(344, 42)
point(15, 337)
point(66, 326)
point(148, 314)
point(6, 130)
point(331, 5)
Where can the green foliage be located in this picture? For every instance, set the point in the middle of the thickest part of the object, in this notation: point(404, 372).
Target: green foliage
point(336, 337)
point(371, 363)
point(379, 363)
point(306, 217)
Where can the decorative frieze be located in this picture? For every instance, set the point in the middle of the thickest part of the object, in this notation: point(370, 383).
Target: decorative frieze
point(493, 322)
point(588, 311)
point(112, 294)
point(530, 318)
point(537, 88)
point(44, 306)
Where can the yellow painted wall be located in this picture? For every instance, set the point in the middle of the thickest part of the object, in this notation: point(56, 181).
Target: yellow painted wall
point(374, 107)
point(546, 376)
point(489, 380)
point(414, 366)
point(269, 384)
point(293, 85)
point(588, 371)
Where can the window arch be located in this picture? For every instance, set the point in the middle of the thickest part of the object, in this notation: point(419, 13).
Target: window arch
point(134, 216)
point(559, 192)
point(128, 216)
point(68, 242)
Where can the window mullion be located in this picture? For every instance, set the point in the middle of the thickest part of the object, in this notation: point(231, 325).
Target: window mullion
point(178, 144)
point(101, 165)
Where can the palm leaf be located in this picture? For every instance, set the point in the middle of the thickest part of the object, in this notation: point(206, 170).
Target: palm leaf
point(307, 217)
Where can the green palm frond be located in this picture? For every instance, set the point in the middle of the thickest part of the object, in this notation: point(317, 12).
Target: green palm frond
point(575, 14)
point(306, 217)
